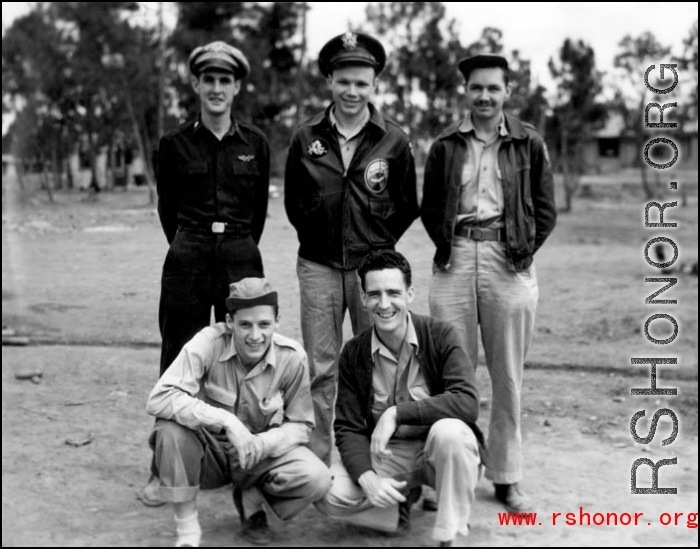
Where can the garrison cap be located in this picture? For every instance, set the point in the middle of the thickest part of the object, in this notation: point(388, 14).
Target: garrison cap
point(482, 61)
point(351, 48)
point(250, 292)
point(219, 55)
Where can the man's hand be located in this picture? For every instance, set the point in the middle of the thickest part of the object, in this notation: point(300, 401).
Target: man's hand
point(250, 447)
point(385, 428)
point(381, 491)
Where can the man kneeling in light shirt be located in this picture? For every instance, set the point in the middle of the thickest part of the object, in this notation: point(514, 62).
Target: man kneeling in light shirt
point(235, 407)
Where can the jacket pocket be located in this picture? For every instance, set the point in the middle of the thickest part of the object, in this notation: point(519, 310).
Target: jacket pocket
point(249, 168)
point(196, 168)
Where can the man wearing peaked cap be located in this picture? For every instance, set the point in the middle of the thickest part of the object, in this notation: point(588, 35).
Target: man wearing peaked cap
point(235, 407)
point(213, 183)
point(488, 206)
point(350, 188)
point(219, 55)
point(351, 49)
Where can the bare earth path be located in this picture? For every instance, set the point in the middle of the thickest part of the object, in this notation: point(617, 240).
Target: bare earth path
point(81, 281)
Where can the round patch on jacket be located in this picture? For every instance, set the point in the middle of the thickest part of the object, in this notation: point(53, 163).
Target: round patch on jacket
point(317, 148)
point(377, 175)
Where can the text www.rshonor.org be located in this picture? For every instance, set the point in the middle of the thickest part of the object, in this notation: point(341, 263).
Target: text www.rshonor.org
point(584, 518)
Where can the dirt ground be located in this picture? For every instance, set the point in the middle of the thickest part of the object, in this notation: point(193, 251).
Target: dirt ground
point(81, 281)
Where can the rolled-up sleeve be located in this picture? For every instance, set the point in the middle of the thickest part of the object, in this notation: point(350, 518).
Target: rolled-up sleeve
point(174, 396)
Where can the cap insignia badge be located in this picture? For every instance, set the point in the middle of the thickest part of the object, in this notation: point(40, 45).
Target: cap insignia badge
point(349, 40)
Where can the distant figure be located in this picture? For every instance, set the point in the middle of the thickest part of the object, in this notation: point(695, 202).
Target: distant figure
point(213, 181)
point(235, 407)
point(350, 187)
point(406, 412)
point(488, 205)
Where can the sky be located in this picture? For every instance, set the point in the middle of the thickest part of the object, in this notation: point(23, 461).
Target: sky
point(536, 29)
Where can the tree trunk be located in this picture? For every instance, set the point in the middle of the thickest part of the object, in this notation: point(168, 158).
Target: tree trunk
point(302, 67)
point(46, 182)
point(649, 193)
point(109, 168)
point(94, 187)
point(139, 143)
point(70, 182)
point(571, 183)
point(570, 179)
point(56, 168)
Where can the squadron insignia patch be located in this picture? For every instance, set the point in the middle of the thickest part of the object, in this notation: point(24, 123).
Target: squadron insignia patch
point(317, 148)
point(377, 175)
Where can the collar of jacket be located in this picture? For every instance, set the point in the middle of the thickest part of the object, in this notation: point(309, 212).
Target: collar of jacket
point(323, 119)
point(235, 128)
point(516, 129)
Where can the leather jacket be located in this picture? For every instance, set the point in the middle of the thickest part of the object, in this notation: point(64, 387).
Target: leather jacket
point(340, 215)
point(528, 191)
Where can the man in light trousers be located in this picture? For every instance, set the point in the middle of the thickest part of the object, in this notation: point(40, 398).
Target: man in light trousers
point(488, 205)
point(406, 413)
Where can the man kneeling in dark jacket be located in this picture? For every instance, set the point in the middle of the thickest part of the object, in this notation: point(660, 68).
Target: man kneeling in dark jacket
point(406, 412)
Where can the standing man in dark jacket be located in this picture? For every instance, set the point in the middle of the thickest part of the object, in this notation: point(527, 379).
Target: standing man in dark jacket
point(406, 412)
point(350, 187)
point(213, 184)
point(488, 205)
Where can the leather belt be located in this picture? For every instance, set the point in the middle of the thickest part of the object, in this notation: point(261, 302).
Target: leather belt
point(480, 233)
point(216, 227)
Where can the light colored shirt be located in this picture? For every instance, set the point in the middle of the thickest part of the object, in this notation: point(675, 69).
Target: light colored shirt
point(398, 379)
point(481, 197)
point(207, 383)
point(348, 142)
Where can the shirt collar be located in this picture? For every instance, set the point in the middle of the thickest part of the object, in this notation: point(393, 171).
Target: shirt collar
point(323, 118)
point(467, 125)
point(334, 122)
point(411, 338)
point(270, 358)
point(233, 129)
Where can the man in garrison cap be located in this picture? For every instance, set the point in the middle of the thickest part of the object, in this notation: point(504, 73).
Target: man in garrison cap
point(350, 188)
point(235, 408)
point(488, 206)
point(213, 183)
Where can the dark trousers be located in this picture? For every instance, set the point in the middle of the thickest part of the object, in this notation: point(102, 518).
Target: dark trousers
point(197, 271)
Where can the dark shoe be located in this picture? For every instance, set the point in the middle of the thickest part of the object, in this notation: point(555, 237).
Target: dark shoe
point(446, 543)
point(150, 494)
point(254, 529)
point(430, 500)
point(404, 526)
point(511, 496)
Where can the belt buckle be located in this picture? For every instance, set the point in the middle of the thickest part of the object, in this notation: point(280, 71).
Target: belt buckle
point(218, 227)
point(476, 233)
